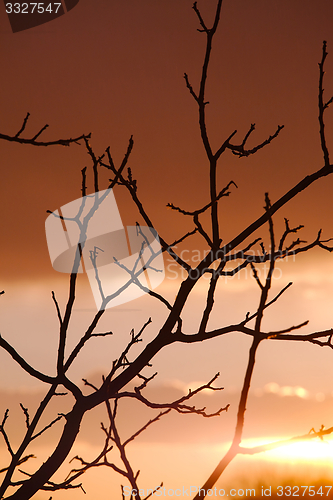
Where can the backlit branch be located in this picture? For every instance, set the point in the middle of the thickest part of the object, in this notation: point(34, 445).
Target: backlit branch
point(112, 434)
point(313, 338)
point(285, 442)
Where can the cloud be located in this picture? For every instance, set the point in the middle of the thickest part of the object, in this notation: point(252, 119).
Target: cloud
point(286, 390)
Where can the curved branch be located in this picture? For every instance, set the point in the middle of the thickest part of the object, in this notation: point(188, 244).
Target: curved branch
point(23, 364)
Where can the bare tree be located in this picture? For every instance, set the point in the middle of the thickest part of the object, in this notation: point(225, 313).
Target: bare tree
point(236, 252)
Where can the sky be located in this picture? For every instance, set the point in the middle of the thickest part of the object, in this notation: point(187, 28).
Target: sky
point(115, 68)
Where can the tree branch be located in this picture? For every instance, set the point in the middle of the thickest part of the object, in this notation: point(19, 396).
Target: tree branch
point(32, 141)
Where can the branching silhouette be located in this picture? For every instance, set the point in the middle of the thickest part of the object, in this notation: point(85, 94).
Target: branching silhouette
point(112, 389)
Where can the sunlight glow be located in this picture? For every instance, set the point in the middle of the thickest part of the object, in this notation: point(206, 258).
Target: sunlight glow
point(302, 451)
point(306, 450)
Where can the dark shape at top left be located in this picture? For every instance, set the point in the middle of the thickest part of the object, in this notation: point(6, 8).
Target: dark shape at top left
point(26, 15)
point(70, 4)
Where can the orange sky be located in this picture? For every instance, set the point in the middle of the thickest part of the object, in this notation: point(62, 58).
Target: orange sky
point(115, 68)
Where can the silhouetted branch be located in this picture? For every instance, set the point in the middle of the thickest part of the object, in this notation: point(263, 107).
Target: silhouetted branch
point(209, 304)
point(124, 369)
point(26, 413)
point(93, 256)
point(50, 485)
point(34, 142)
point(47, 426)
point(277, 296)
point(144, 427)
point(180, 240)
point(123, 357)
point(84, 180)
point(310, 337)
point(95, 163)
point(322, 106)
point(131, 185)
point(224, 192)
point(112, 435)
point(178, 404)
point(29, 369)
point(19, 462)
point(242, 152)
point(4, 434)
point(57, 307)
point(146, 380)
point(104, 334)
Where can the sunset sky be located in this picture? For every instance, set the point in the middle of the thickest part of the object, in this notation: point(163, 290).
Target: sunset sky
point(115, 68)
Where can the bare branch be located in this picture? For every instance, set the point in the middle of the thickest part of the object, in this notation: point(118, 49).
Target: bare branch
point(285, 442)
point(278, 295)
point(256, 277)
point(272, 335)
point(105, 334)
point(19, 462)
point(202, 23)
point(95, 162)
point(84, 179)
point(242, 152)
point(189, 86)
point(47, 427)
point(3, 432)
point(32, 141)
point(154, 491)
point(29, 369)
point(178, 404)
point(120, 362)
point(26, 413)
point(57, 307)
point(144, 427)
point(323, 106)
point(146, 380)
point(224, 192)
point(23, 125)
point(209, 304)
